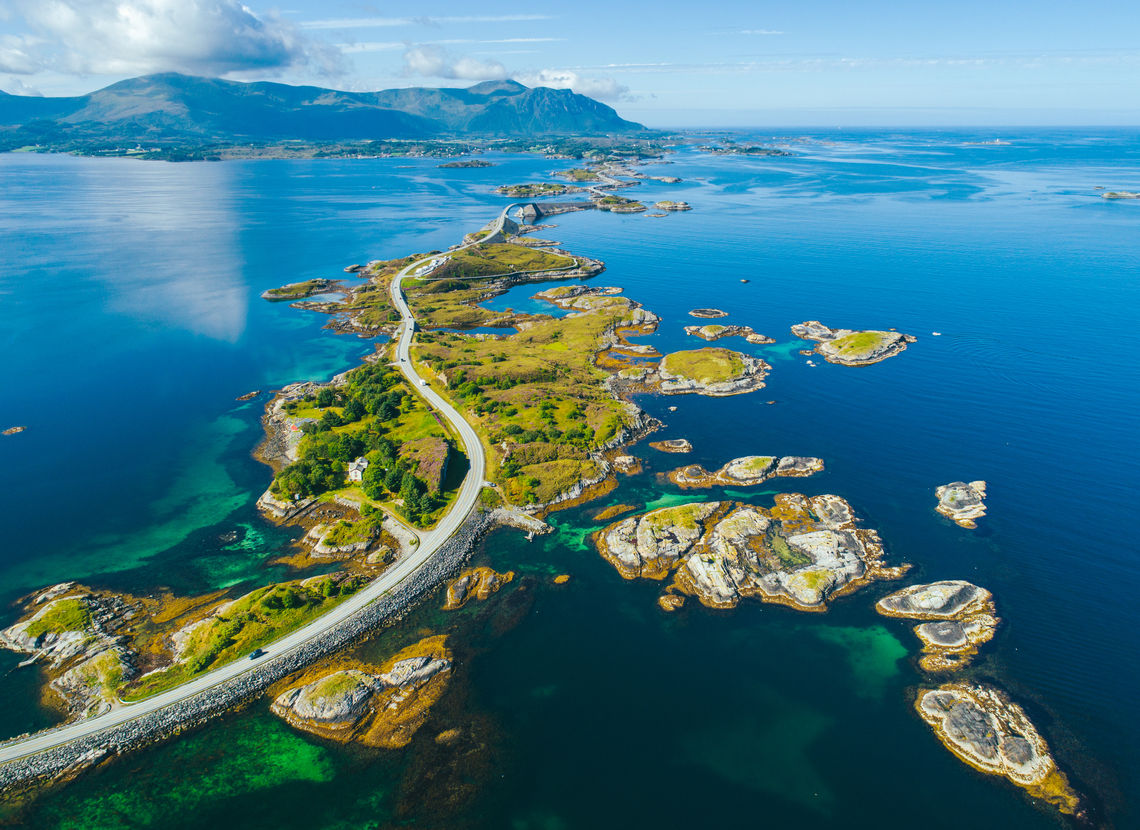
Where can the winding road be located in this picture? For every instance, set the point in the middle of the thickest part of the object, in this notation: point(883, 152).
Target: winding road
point(430, 543)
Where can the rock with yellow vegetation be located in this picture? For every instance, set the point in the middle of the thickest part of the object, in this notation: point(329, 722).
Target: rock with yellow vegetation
point(959, 618)
point(852, 348)
point(745, 472)
point(986, 730)
point(475, 583)
point(962, 502)
point(803, 552)
point(382, 708)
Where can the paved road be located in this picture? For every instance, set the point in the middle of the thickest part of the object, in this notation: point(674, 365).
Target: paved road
point(430, 542)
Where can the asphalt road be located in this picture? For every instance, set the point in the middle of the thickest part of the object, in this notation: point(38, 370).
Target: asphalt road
point(430, 542)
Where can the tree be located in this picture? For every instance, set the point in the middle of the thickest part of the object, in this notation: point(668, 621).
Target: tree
point(326, 397)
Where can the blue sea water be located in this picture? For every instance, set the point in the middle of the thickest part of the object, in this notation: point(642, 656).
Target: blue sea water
point(128, 296)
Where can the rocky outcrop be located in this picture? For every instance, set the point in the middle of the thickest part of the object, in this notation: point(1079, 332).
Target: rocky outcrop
point(676, 445)
point(475, 583)
point(381, 708)
point(714, 331)
point(75, 632)
point(803, 552)
point(745, 472)
point(852, 348)
point(992, 734)
point(1120, 194)
point(962, 502)
point(669, 204)
point(628, 464)
point(960, 617)
point(708, 313)
point(713, 372)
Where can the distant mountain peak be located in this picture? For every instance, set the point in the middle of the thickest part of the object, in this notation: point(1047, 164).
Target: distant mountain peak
point(170, 106)
point(507, 87)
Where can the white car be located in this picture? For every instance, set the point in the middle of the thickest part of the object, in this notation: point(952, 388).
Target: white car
point(423, 382)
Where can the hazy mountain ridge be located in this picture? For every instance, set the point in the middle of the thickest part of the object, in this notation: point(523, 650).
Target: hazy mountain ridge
point(172, 106)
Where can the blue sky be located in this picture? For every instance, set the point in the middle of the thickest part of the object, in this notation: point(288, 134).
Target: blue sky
point(664, 63)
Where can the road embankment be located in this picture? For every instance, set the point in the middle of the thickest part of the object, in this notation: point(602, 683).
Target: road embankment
point(157, 726)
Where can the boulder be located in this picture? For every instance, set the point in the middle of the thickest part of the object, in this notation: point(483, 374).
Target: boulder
point(962, 502)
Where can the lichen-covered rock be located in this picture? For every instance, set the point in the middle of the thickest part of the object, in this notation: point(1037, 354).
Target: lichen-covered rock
point(381, 707)
point(852, 348)
point(989, 732)
point(744, 472)
point(651, 545)
point(961, 618)
point(714, 331)
point(707, 313)
point(802, 552)
point(962, 502)
point(799, 466)
point(475, 583)
point(335, 701)
point(91, 687)
point(677, 445)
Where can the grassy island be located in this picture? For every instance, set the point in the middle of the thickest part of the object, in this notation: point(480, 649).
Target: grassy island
point(705, 366)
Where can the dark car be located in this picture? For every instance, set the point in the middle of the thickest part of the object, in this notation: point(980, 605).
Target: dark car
point(257, 652)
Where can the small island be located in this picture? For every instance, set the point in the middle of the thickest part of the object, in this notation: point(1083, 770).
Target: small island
point(1120, 194)
point(852, 348)
point(992, 734)
point(708, 313)
point(711, 371)
point(619, 204)
point(464, 163)
point(375, 707)
point(959, 617)
point(299, 290)
point(745, 472)
point(675, 445)
point(669, 204)
point(475, 583)
point(802, 552)
point(714, 331)
point(13, 430)
point(536, 190)
point(962, 502)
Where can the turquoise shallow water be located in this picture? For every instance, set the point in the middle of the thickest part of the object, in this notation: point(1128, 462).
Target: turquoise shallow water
point(129, 299)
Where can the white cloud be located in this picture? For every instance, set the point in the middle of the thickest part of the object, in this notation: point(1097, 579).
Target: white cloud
point(15, 86)
point(208, 37)
point(432, 61)
point(759, 32)
point(605, 88)
point(16, 55)
point(386, 22)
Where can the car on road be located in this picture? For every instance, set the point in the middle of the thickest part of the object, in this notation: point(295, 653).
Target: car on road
point(423, 382)
point(257, 652)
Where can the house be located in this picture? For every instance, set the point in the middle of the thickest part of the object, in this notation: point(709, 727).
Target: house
point(356, 469)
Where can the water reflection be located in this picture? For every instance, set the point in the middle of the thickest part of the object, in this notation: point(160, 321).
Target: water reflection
point(166, 249)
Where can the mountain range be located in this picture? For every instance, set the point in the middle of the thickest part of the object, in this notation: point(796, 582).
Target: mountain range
point(174, 107)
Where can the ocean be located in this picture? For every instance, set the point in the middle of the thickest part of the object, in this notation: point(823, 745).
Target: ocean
point(130, 313)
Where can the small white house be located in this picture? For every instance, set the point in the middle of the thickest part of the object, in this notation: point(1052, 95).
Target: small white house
point(356, 469)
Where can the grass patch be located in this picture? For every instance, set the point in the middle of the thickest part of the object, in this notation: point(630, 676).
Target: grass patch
point(579, 174)
point(345, 533)
point(251, 621)
point(498, 259)
point(62, 615)
point(709, 365)
point(859, 343)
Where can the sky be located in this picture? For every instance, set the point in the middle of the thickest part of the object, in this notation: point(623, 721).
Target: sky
point(666, 63)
